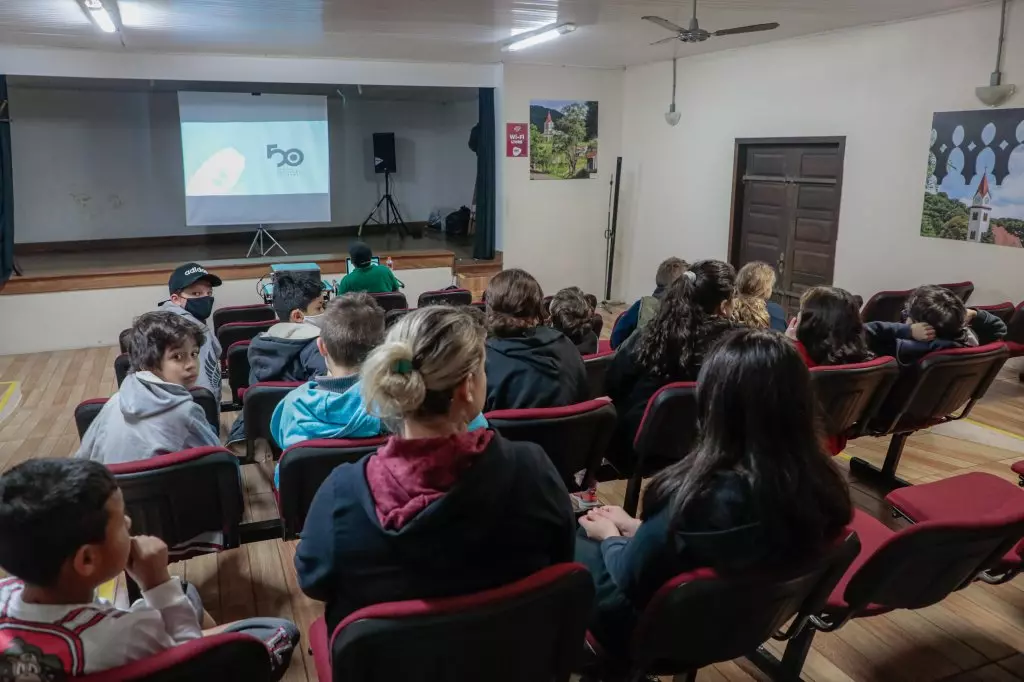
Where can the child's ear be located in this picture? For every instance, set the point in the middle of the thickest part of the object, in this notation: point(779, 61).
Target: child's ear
point(86, 561)
point(296, 316)
point(321, 347)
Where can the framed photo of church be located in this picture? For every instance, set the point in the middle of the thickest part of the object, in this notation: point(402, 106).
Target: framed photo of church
point(563, 139)
point(974, 190)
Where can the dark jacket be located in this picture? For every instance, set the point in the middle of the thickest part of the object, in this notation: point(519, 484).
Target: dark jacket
point(538, 368)
point(508, 516)
point(285, 352)
point(631, 386)
point(586, 344)
point(894, 338)
point(719, 531)
point(777, 317)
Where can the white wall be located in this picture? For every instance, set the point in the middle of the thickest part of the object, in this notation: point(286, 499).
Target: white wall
point(877, 86)
point(97, 316)
point(555, 229)
point(107, 164)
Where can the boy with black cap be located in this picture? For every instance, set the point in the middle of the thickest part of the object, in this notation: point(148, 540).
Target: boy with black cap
point(373, 279)
point(191, 290)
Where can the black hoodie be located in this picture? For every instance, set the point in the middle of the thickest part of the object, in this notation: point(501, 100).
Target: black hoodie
point(540, 367)
point(506, 517)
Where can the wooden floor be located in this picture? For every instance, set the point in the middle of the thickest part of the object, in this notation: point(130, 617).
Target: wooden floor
point(977, 634)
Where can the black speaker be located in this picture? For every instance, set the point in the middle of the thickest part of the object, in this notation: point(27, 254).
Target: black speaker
point(384, 153)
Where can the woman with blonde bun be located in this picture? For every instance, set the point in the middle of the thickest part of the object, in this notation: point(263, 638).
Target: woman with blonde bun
point(439, 510)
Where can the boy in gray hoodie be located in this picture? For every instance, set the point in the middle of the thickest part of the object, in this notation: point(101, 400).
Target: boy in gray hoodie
point(153, 413)
point(191, 296)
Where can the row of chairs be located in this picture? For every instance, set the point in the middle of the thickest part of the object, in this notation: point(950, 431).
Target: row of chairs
point(534, 628)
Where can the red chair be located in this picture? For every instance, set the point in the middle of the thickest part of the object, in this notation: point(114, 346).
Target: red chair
point(231, 333)
point(851, 395)
point(214, 658)
point(700, 618)
point(259, 312)
point(667, 432)
point(597, 366)
point(258, 404)
point(575, 437)
point(445, 297)
point(974, 495)
point(604, 346)
point(394, 315)
point(532, 629)
point(238, 371)
point(87, 410)
point(885, 306)
point(305, 466)
point(122, 365)
point(192, 499)
point(1004, 310)
point(943, 386)
point(1015, 331)
point(391, 300)
point(907, 569)
point(961, 290)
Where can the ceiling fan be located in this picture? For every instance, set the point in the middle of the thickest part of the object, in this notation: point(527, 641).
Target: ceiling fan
point(695, 34)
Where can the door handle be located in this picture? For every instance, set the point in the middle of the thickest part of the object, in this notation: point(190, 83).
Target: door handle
point(780, 264)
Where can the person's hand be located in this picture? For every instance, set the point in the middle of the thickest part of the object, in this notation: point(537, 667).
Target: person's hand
point(625, 523)
point(922, 332)
point(971, 314)
point(791, 329)
point(598, 527)
point(147, 562)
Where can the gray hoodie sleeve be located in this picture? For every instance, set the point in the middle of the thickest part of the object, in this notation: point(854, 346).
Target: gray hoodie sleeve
point(200, 432)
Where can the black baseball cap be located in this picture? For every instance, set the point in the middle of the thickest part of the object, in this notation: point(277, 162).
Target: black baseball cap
point(189, 273)
point(360, 254)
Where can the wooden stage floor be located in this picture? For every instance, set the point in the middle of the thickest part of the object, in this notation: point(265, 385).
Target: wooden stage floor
point(976, 634)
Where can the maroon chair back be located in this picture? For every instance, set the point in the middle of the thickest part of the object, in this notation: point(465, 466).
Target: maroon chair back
point(940, 384)
point(122, 365)
point(87, 410)
point(597, 365)
point(391, 300)
point(850, 395)
point(394, 315)
point(667, 432)
point(922, 564)
point(445, 297)
point(258, 403)
point(532, 629)
point(574, 437)
point(597, 324)
point(259, 312)
point(700, 618)
point(214, 658)
point(306, 465)
point(1015, 327)
point(885, 306)
point(1004, 310)
point(238, 369)
point(231, 333)
point(192, 499)
point(961, 290)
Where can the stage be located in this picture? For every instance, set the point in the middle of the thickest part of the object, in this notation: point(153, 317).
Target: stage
point(128, 263)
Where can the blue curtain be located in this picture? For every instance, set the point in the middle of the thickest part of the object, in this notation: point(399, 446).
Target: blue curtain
point(483, 246)
point(6, 188)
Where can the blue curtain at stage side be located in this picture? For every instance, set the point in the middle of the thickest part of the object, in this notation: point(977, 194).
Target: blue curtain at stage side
point(483, 246)
point(6, 188)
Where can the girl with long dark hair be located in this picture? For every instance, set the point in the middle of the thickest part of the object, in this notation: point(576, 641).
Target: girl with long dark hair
point(758, 492)
point(693, 315)
point(828, 330)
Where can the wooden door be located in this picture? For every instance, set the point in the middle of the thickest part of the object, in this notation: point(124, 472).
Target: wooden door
point(789, 215)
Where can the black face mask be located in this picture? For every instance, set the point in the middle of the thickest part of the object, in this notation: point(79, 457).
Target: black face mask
point(199, 308)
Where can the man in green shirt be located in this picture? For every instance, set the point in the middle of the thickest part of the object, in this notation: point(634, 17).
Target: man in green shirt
point(373, 279)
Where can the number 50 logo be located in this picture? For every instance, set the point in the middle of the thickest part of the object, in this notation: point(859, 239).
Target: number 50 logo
point(291, 157)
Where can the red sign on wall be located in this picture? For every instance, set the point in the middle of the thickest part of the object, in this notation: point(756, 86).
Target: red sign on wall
point(517, 140)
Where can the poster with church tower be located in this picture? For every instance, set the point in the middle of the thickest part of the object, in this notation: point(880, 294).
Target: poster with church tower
point(563, 139)
point(974, 190)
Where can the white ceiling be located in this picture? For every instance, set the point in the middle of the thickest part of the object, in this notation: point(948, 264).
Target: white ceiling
point(610, 34)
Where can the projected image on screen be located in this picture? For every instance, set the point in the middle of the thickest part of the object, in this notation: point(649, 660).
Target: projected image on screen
point(254, 160)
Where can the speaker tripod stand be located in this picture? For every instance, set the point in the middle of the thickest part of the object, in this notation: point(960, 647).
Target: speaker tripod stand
point(390, 210)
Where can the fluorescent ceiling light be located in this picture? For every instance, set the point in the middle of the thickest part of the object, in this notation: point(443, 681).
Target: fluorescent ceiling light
point(100, 16)
point(538, 38)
